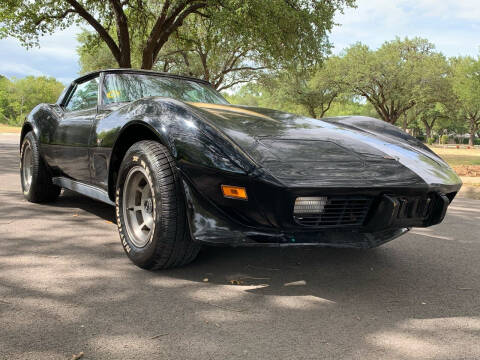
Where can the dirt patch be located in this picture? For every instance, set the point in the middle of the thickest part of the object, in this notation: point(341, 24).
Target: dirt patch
point(467, 170)
point(9, 129)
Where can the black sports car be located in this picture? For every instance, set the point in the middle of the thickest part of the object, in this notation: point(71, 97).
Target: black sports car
point(184, 167)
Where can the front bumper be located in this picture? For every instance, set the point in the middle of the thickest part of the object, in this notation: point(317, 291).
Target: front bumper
point(266, 219)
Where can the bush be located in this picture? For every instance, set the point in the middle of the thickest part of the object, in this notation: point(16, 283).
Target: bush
point(444, 139)
point(430, 141)
point(421, 138)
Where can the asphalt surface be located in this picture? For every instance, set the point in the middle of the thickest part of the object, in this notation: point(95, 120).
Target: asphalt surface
point(66, 287)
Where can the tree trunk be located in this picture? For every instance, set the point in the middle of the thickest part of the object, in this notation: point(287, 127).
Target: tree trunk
point(473, 129)
point(391, 119)
point(405, 122)
point(125, 59)
point(428, 131)
point(147, 59)
point(311, 112)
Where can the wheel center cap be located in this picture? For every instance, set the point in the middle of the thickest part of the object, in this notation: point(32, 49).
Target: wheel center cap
point(148, 205)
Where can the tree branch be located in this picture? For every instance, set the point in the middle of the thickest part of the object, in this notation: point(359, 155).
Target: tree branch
point(102, 32)
point(122, 33)
point(59, 17)
point(232, 84)
point(165, 26)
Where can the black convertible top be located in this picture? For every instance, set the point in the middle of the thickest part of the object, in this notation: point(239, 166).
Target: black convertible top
point(92, 74)
point(137, 71)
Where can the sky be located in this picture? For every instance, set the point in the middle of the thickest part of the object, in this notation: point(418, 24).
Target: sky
point(452, 25)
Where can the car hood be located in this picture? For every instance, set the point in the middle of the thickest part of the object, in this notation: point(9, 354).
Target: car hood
point(310, 152)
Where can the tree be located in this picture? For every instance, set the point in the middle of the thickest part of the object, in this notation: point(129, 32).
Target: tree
point(315, 88)
point(430, 115)
point(211, 51)
point(295, 29)
point(394, 77)
point(201, 49)
point(19, 96)
point(433, 95)
point(466, 87)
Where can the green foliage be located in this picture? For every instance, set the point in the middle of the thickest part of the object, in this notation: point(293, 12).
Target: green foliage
point(292, 31)
point(405, 82)
point(444, 139)
point(314, 89)
point(259, 95)
point(394, 77)
point(466, 88)
point(92, 54)
point(430, 141)
point(19, 96)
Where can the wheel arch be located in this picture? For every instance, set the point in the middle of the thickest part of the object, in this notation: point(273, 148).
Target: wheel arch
point(130, 134)
point(26, 128)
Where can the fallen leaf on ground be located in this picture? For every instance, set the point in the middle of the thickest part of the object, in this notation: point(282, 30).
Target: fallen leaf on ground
point(236, 282)
point(77, 356)
point(159, 335)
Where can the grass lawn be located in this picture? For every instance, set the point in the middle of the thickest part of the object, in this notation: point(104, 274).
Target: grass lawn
point(457, 157)
point(9, 129)
point(465, 162)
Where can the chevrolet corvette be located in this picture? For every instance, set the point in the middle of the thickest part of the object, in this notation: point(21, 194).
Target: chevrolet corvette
point(183, 167)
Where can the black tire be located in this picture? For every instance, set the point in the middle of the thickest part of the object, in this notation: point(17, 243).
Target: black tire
point(35, 178)
point(166, 242)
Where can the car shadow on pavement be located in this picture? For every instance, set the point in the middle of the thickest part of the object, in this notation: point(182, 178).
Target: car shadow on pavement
point(10, 155)
point(71, 199)
point(66, 286)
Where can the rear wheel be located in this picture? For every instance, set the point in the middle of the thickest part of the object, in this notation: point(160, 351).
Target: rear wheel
point(150, 209)
point(36, 181)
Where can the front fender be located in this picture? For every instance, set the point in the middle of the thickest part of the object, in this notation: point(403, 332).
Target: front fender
point(42, 120)
point(185, 135)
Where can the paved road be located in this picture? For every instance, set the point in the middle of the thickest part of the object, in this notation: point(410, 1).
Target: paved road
point(66, 287)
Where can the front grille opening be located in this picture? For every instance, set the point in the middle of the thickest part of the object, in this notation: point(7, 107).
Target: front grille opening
point(414, 207)
point(331, 211)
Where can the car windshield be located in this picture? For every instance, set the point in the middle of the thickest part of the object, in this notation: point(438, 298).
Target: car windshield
point(130, 87)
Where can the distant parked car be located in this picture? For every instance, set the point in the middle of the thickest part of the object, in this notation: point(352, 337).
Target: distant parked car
point(184, 167)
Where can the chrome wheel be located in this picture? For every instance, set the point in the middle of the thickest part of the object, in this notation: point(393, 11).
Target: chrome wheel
point(138, 206)
point(27, 167)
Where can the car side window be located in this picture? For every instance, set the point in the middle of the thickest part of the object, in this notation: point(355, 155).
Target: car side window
point(85, 96)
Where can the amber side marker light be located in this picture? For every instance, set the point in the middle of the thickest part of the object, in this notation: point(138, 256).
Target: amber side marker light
point(234, 192)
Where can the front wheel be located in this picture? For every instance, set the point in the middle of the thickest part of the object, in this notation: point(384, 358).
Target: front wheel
point(150, 209)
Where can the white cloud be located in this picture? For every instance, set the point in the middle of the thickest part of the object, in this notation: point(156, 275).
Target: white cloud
point(19, 70)
point(452, 25)
point(459, 9)
point(55, 57)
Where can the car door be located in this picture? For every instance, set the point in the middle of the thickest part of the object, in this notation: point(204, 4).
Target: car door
point(72, 136)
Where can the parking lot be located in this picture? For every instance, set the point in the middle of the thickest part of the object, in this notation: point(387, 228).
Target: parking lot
point(66, 287)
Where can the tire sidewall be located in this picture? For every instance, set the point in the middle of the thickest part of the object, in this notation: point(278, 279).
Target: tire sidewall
point(140, 256)
point(29, 140)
